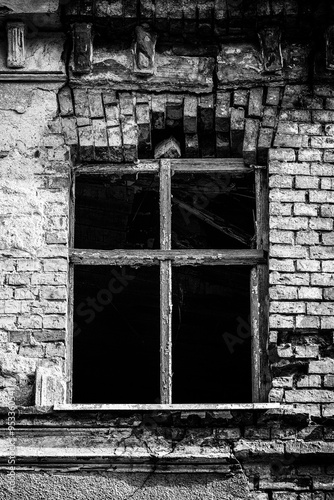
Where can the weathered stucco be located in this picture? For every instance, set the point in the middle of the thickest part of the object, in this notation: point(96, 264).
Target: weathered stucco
point(30, 214)
point(121, 486)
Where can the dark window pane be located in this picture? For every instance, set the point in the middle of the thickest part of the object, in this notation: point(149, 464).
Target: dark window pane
point(211, 335)
point(117, 212)
point(116, 335)
point(212, 211)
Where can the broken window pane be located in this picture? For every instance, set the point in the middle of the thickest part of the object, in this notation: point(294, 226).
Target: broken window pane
point(211, 359)
point(212, 211)
point(116, 335)
point(114, 212)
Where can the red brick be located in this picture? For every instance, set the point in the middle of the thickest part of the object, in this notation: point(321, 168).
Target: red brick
point(307, 322)
point(280, 167)
point(309, 381)
point(329, 156)
point(327, 323)
point(277, 208)
point(310, 128)
point(305, 209)
point(320, 309)
point(249, 149)
point(329, 293)
point(280, 292)
point(322, 142)
point(287, 195)
point(328, 266)
point(269, 118)
point(323, 116)
point(329, 381)
point(286, 237)
point(283, 382)
point(190, 115)
point(289, 278)
point(255, 107)
point(288, 251)
point(328, 239)
point(309, 396)
point(55, 321)
point(293, 223)
point(290, 141)
point(282, 154)
point(296, 115)
point(284, 265)
point(321, 196)
point(322, 253)
point(281, 321)
point(306, 351)
point(322, 279)
point(306, 154)
point(273, 96)
point(307, 238)
point(329, 129)
point(280, 181)
point(287, 128)
point(307, 182)
point(321, 223)
point(326, 170)
point(327, 211)
point(287, 307)
point(240, 98)
point(306, 265)
point(223, 112)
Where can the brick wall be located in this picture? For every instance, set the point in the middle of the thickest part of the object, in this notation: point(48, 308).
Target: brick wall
point(34, 187)
point(301, 317)
point(273, 449)
point(293, 120)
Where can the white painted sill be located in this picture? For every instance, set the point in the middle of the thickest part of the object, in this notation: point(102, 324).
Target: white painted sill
point(170, 407)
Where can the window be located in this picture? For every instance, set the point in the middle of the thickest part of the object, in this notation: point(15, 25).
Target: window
point(169, 274)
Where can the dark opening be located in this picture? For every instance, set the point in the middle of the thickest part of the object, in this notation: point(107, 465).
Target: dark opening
point(117, 212)
point(212, 211)
point(211, 335)
point(117, 310)
point(116, 335)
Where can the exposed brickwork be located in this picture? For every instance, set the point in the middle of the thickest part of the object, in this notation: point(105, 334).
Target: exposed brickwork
point(33, 243)
point(301, 249)
point(117, 127)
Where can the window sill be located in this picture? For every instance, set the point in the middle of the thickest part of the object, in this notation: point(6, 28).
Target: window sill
point(171, 407)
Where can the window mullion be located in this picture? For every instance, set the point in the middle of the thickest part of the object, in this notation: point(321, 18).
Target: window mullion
point(259, 291)
point(165, 285)
point(70, 305)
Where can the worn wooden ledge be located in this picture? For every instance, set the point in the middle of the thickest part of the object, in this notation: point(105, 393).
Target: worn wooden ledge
point(177, 257)
point(170, 407)
point(232, 166)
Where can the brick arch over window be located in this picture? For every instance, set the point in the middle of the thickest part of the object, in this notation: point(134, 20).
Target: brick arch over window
point(120, 127)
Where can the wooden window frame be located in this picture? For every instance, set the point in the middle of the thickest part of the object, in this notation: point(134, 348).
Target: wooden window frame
point(166, 258)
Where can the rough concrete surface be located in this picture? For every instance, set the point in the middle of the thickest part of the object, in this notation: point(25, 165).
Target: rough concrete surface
point(123, 486)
